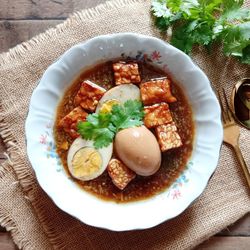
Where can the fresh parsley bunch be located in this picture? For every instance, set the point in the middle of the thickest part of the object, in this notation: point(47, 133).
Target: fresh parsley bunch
point(203, 22)
point(102, 127)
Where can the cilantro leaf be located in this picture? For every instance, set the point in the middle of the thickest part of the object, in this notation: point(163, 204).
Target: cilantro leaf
point(134, 109)
point(236, 39)
point(102, 127)
point(97, 128)
point(160, 9)
point(128, 115)
point(191, 33)
point(162, 23)
point(202, 22)
point(101, 120)
point(182, 39)
point(246, 55)
point(103, 137)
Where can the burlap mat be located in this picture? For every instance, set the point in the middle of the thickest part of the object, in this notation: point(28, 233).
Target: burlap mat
point(25, 210)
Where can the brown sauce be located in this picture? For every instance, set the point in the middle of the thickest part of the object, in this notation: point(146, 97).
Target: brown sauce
point(173, 161)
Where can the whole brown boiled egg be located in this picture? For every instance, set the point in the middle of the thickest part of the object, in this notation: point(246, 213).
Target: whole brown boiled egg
point(138, 148)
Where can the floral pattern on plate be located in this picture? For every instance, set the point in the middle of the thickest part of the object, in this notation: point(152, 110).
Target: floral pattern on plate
point(142, 56)
point(46, 139)
point(175, 190)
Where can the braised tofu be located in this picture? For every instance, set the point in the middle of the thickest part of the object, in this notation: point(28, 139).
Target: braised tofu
point(168, 136)
point(88, 95)
point(157, 91)
point(156, 115)
point(120, 174)
point(126, 73)
point(69, 122)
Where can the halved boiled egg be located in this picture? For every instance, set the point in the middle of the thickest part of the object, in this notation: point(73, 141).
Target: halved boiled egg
point(107, 106)
point(118, 95)
point(85, 162)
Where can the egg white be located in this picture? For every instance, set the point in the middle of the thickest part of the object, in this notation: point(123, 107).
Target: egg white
point(105, 152)
point(121, 93)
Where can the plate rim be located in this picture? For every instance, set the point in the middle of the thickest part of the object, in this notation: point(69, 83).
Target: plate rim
point(57, 62)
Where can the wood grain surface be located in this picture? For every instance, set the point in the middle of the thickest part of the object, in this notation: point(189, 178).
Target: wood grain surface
point(22, 19)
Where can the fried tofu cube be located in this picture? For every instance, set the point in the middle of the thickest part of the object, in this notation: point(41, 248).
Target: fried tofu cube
point(69, 122)
point(120, 174)
point(157, 91)
point(89, 95)
point(156, 115)
point(168, 136)
point(126, 72)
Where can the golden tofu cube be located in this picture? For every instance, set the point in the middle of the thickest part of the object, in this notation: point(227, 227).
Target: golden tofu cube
point(156, 115)
point(70, 121)
point(168, 136)
point(157, 91)
point(126, 72)
point(120, 174)
point(89, 95)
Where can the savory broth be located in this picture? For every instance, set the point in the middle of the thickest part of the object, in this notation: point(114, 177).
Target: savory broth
point(173, 161)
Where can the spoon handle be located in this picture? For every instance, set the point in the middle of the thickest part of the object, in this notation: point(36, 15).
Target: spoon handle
point(242, 163)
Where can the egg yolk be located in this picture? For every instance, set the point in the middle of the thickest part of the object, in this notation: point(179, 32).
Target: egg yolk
point(86, 161)
point(107, 106)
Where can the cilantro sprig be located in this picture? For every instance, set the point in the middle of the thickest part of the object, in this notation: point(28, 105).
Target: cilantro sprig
point(204, 22)
point(102, 127)
point(99, 128)
point(128, 115)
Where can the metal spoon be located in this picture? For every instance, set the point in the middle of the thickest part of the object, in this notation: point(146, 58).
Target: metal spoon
point(240, 102)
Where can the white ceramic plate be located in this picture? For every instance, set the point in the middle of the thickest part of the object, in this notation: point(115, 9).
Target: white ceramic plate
point(84, 206)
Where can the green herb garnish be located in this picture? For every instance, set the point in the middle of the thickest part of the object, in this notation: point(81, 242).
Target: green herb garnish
point(102, 127)
point(203, 22)
point(128, 115)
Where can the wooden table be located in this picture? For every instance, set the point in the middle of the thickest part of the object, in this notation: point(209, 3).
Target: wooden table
point(22, 19)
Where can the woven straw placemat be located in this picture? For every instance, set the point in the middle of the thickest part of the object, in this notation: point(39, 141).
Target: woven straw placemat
point(25, 210)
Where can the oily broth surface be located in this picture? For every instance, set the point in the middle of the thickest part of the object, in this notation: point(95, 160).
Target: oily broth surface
point(173, 161)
